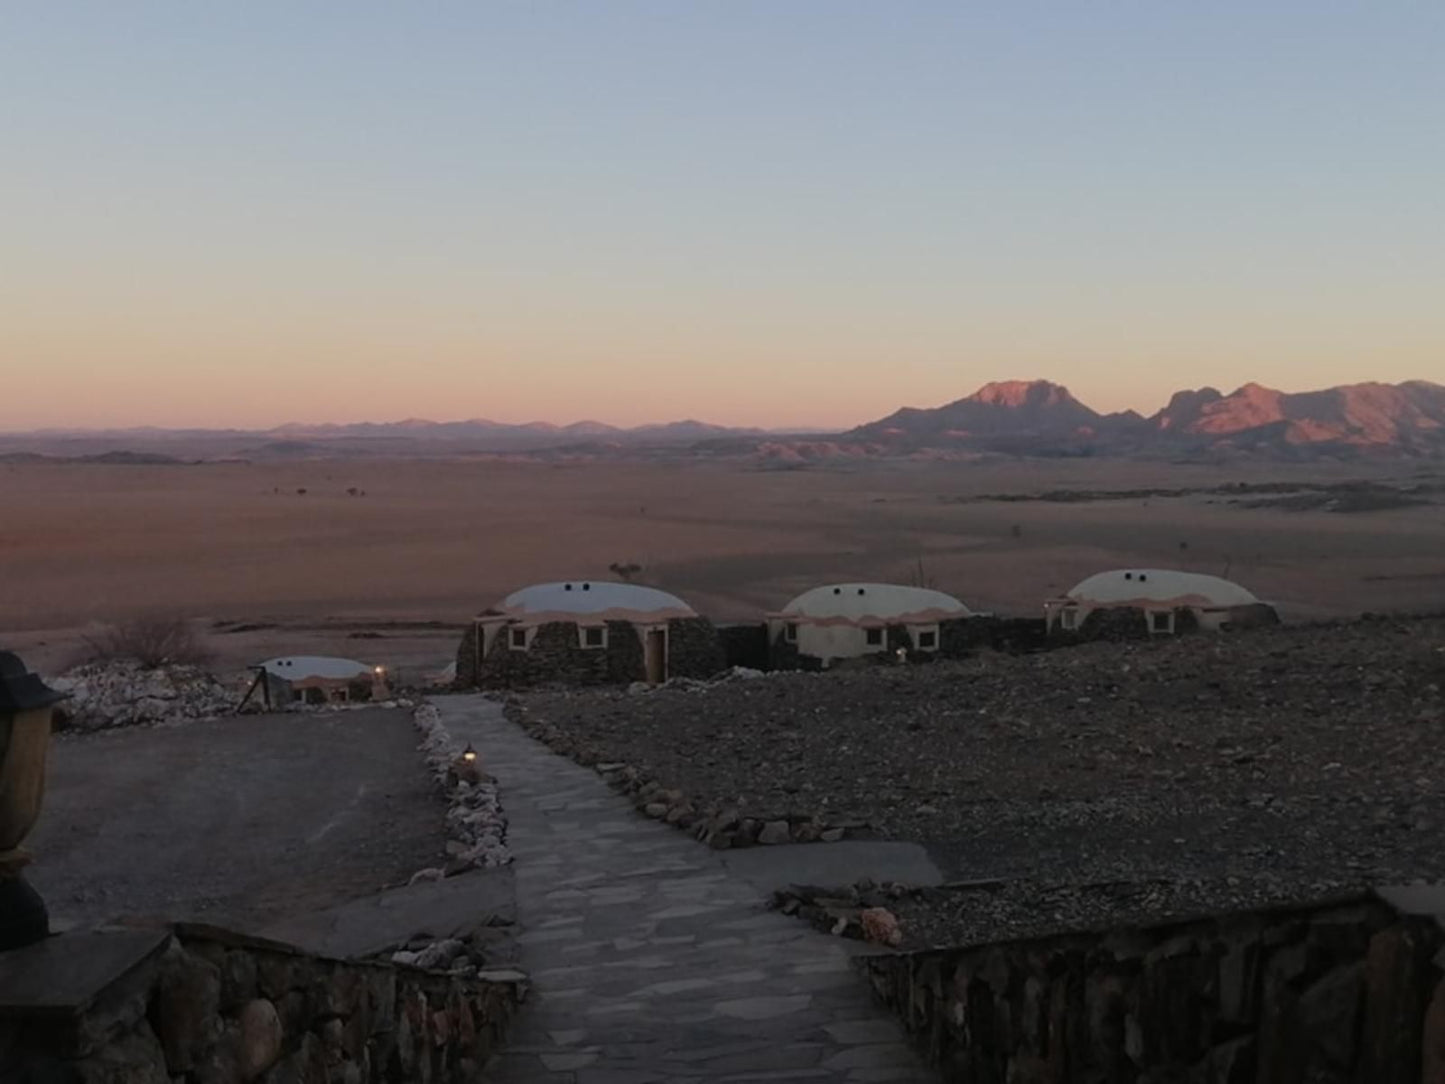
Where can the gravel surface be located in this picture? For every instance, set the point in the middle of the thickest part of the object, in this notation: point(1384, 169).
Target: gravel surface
point(1150, 779)
point(240, 820)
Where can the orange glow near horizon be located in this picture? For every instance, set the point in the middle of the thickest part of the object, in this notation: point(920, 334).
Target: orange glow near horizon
point(747, 213)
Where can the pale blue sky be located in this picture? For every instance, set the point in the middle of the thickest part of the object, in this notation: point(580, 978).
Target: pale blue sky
point(779, 212)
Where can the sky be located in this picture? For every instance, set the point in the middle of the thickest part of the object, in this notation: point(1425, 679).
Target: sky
point(761, 212)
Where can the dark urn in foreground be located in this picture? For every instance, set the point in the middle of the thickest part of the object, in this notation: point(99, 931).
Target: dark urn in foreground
point(26, 704)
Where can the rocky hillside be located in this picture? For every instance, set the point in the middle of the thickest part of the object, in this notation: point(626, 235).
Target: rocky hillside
point(1039, 417)
point(1012, 408)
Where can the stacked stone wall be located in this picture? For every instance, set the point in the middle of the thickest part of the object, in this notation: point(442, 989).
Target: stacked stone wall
point(694, 649)
point(555, 655)
point(1345, 993)
point(745, 645)
point(784, 655)
point(467, 654)
point(1259, 615)
point(209, 1007)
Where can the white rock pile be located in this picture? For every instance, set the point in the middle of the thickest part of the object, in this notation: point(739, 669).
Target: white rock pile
point(124, 693)
point(476, 826)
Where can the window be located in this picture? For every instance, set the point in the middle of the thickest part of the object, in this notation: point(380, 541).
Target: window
point(1161, 621)
point(1069, 619)
point(594, 636)
point(928, 640)
point(875, 637)
point(790, 631)
point(518, 640)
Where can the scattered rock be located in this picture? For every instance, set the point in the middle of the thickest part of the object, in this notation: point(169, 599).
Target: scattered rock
point(261, 1036)
point(880, 926)
point(775, 832)
point(124, 693)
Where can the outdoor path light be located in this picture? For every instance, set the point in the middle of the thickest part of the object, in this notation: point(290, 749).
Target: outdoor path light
point(26, 706)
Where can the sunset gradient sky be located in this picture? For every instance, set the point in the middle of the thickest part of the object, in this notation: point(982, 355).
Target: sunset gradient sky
point(772, 212)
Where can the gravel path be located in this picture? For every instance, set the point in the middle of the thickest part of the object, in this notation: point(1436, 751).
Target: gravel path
point(238, 820)
point(650, 960)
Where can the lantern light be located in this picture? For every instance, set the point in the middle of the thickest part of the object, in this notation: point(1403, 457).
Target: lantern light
point(469, 754)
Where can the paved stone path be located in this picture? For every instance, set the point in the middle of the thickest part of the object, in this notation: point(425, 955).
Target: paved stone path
point(649, 961)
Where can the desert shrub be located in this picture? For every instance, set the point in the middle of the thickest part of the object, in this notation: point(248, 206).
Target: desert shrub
point(150, 641)
point(625, 570)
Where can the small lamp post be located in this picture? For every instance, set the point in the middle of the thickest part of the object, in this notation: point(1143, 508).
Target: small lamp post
point(26, 705)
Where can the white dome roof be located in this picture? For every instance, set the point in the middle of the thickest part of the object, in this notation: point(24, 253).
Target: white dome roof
point(591, 600)
point(301, 667)
point(874, 602)
point(1144, 585)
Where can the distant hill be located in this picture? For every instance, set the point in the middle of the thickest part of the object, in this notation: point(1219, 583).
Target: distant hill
point(1014, 417)
point(1013, 408)
point(1044, 418)
point(1406, 417)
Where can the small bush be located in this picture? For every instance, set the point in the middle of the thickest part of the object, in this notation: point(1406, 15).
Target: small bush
point(151, 641)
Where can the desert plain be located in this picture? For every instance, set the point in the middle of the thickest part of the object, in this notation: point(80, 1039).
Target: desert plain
point(386, 559)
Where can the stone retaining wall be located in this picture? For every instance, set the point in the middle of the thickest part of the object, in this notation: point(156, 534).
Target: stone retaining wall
point(720, 827)
point(1343, 993)
point(211, 1007)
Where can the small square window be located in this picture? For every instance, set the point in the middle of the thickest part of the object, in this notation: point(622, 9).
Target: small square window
point(1161, 621)
point(875, 637)
point(594, 636)
point(518, 640)
point(791, 632)
point(927, 641)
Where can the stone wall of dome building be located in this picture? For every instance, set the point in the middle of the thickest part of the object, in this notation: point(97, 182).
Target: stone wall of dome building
point(1134, 622)
point(953, 638)
point(555, 653)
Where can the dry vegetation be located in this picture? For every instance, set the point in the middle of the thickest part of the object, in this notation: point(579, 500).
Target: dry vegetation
point(150, 641)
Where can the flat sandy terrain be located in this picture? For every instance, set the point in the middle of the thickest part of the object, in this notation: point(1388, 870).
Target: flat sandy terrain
point(243, 820)
point(435, 541)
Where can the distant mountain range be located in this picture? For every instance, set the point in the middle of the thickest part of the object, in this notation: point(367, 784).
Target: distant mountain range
point(1040, 417)
point(1016, 417)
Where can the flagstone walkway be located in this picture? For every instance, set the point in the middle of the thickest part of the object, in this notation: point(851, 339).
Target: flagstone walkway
point(649, 960)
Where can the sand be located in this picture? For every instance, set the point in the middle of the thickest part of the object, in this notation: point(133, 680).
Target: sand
point(391, 574)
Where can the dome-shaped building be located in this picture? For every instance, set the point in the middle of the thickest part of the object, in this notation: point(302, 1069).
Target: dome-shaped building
point(1153, 602)
point(856, 620)
point(317, 679)
point(587, 632)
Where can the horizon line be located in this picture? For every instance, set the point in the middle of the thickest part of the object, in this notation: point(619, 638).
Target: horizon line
point(801, 428)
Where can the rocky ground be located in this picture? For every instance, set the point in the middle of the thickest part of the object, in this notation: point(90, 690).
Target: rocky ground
point(1142, 780)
